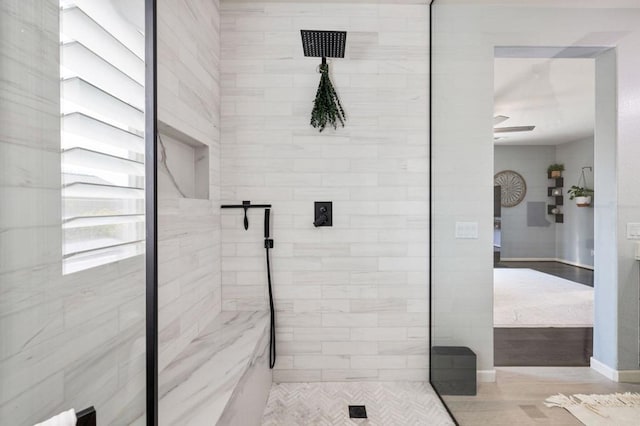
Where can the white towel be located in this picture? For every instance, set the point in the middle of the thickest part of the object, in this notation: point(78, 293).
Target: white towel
point(68, 418)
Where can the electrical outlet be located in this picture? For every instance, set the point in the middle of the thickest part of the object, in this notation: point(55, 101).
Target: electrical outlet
point(633, 231)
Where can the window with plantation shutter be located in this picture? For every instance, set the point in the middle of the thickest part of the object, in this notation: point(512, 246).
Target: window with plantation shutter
point(102, 123)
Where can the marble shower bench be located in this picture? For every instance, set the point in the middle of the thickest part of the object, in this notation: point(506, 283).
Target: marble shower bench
point(222, 376)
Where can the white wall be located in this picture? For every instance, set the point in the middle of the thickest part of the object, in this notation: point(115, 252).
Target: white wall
point(66, 341)
point(352, 299)
point(574, 238)
point(188, 229)
point(465, 37)
point(520, 241)
point(462, 122)
point(606, 335)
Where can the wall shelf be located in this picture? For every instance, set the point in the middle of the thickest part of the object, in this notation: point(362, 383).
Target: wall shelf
point(555, 192)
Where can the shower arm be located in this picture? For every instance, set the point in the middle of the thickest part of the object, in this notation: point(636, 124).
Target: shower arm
point(246, 205)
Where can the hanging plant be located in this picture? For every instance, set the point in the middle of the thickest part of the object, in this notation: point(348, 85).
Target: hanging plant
point(326, 107)
point(580, 192)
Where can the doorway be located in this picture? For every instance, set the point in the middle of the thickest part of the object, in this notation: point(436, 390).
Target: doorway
point(464, 35)
point(544, 115)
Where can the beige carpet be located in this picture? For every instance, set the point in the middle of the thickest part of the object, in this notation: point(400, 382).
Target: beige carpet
point(528, 298)
point(619, 409)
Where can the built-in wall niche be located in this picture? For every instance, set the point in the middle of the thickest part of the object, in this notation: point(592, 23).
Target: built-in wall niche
point(183, 164)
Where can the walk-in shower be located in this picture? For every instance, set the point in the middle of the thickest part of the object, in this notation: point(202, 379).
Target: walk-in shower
point(123, 283)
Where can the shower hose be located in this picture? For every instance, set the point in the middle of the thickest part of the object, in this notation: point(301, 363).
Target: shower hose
point(268, 244)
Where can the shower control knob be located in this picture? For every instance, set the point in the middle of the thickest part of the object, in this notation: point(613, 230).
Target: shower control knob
point(323, 214)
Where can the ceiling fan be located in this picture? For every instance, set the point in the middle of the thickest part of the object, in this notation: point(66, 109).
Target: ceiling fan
point(501, 119)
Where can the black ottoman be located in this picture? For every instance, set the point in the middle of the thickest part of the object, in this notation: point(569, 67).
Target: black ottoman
point(453, 370)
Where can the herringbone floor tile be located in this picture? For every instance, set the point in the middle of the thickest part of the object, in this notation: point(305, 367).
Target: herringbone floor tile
point(388, 404)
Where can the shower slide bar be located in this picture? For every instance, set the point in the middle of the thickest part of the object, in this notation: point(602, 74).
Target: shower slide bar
point(268, 244)
point(246, 205)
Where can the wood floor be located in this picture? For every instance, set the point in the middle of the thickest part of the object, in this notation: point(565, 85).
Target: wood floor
point(562, 270)
point(517, 397)
point(545, 346)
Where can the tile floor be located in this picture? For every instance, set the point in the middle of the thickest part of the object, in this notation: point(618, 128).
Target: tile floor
point(517, 397)
point(392, 403)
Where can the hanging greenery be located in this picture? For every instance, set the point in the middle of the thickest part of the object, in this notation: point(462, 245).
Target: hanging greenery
point(326, 107)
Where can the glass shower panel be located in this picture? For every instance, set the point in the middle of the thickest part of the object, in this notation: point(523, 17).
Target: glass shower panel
point(72, 265)
point(545, 48)
point(462, 202)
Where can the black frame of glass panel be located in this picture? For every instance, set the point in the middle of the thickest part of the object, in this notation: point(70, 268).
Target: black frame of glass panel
point(431, 316)
point(151, 219)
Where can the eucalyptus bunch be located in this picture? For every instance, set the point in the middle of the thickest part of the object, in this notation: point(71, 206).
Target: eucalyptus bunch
point(326, 107)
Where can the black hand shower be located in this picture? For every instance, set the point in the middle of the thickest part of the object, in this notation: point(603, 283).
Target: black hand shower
point(267, 213)
point(268, 244)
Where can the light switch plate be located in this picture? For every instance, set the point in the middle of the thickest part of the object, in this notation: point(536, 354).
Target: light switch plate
point(466, 230)
point(633, 231)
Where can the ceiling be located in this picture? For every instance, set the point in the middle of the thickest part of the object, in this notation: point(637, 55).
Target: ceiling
point(557, 96)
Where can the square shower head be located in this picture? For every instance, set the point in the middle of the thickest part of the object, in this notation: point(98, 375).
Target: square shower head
point(323, 44)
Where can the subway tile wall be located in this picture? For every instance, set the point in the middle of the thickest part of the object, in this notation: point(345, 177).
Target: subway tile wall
point(352, 299)
point(189, 252)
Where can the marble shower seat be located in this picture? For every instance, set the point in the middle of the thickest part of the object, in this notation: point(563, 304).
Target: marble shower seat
point(222, 376)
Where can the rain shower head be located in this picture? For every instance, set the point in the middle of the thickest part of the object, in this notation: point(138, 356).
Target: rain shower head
point(323, 44)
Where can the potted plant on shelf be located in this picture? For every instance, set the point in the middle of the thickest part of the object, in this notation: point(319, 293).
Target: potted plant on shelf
point(555, 170)
point(581, 194)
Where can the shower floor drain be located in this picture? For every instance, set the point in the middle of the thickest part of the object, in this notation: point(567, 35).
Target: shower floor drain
point(357, 412)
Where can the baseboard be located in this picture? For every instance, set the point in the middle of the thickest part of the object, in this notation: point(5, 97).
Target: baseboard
point(625, 376)
point(544, 259)
point(603, 369)
point(528, 259)
point(579, 265)
point(486, 376)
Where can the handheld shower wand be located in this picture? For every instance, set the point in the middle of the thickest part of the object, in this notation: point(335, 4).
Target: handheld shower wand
point(267, 213)
point(268, 244)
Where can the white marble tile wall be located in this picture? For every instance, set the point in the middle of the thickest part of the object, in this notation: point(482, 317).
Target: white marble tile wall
point(65, 341)
point(188, 229)
point(352, 299)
